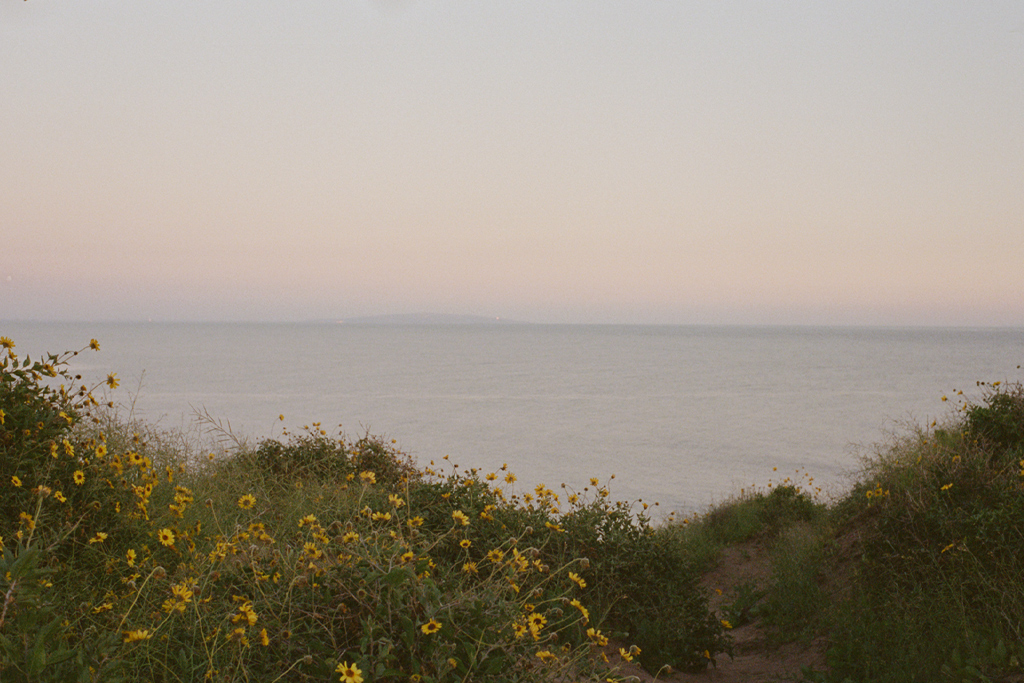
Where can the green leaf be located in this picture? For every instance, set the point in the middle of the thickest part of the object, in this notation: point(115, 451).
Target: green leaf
point(396, 576)
point(7, 647)
point(999, 653)
point(23, 564)
point(408, 631)
point(37, 658)
point(496, 665)
point(975, 674)
point(60, 656)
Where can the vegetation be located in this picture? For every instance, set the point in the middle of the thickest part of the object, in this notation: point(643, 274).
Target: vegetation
point(131, 554)
point(916, 573)
point(128, 554)
point(938, 518)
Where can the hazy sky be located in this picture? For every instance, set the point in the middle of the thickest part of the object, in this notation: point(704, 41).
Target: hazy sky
point(634, 162)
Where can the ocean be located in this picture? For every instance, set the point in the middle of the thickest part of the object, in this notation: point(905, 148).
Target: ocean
point(681, 415)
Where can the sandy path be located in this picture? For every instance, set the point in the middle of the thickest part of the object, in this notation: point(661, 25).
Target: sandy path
point(754, 661)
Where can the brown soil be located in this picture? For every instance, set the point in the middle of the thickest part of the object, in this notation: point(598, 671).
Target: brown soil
point(755, 659)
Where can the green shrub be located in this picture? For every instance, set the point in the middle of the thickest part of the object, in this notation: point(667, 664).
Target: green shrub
point(794, 597)
point(939, 516)
point(999, 420)
point(308, 558)
point(760, 515)
point(666, 609)
point(42, 478)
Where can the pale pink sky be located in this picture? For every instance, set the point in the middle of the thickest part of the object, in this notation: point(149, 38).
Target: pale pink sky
point(633, 162)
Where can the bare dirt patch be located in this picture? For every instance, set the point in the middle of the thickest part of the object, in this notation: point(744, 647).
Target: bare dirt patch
point(755, 659)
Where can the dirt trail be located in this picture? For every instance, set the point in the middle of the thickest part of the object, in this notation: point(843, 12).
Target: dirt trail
point(754, 660)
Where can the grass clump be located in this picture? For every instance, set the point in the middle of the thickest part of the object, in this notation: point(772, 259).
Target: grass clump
point(915, 574)
point(939, 586)
point(761, 514)
point(786, 522)
point(131, 554)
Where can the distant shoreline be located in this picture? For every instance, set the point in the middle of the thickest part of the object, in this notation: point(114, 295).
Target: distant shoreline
point(428, 319)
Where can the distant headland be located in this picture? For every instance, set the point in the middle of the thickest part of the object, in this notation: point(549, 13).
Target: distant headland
point(428, 319)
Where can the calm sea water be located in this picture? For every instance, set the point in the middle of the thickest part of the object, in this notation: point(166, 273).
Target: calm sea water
point(681, 415)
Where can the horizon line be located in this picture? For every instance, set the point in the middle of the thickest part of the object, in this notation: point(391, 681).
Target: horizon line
point(468, 320)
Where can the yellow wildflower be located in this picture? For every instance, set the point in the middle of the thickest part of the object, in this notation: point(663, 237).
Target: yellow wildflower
point(536, 622)
point(182, 592)
point(139, 634)
point(238, 636)
point(350, 673)
point(583, 610)
point(246, 614)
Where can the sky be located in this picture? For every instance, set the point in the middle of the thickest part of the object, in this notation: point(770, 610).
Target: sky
point(655, 162)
